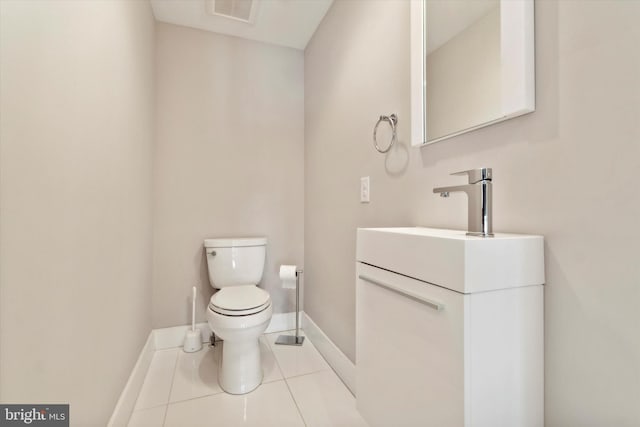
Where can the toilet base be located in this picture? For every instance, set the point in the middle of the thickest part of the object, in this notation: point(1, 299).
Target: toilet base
point(240, 370)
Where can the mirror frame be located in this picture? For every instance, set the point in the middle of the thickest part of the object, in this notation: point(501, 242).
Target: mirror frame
point(517, 64)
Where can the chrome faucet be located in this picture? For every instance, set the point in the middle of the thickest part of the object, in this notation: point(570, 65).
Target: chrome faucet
point(479, 195)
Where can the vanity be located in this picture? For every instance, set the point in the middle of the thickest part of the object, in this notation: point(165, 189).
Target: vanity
point(449, 328)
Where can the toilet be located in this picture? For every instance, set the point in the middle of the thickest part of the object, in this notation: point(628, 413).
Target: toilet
point(240, 311)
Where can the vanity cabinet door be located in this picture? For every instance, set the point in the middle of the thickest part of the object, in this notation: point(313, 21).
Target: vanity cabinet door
point(409, 351)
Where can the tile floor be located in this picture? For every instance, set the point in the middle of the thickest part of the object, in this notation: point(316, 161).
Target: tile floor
point(299, 389)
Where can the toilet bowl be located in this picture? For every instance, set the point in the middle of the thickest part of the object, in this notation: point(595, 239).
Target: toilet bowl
point(240, 311)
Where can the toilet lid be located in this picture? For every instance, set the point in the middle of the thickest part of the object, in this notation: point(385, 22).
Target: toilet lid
point(239, 298)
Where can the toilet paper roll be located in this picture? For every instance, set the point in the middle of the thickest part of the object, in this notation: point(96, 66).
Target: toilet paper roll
point(288, 276)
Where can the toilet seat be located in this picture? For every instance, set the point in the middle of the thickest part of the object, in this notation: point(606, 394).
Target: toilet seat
point(240, 301)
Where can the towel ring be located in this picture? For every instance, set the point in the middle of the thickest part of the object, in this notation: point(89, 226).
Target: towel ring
point(393, 121)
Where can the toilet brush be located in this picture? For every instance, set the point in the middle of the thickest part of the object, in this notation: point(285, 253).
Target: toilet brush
point(193, 338)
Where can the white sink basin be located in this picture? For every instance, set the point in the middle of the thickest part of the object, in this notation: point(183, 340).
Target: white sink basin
point(453, 260)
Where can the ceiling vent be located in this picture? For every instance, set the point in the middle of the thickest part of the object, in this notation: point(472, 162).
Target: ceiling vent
point(239, 10)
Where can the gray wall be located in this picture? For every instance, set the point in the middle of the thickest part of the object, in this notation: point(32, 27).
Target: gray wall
point(76, 134)
point(228, 161)
point(569, 171)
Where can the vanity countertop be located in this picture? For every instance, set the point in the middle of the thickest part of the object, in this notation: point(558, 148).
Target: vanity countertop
point(453, 260)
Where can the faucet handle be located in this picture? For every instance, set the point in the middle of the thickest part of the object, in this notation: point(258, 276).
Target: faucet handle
point(476, 175)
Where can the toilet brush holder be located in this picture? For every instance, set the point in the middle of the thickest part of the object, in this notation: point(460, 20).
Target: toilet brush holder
point(192, 341)
point(294, 339)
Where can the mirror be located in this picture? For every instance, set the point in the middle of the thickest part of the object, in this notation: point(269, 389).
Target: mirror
point(472, 65)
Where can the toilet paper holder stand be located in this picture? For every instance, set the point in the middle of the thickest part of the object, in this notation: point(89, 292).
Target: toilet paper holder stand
point(294, 339)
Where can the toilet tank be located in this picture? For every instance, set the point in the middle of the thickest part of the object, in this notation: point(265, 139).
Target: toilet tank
point(235, 261)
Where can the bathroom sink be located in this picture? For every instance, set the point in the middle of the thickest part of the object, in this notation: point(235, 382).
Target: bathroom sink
point(463, 324)
point(453, 260)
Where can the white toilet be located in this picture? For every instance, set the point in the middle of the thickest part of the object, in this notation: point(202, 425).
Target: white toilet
point(240, 311)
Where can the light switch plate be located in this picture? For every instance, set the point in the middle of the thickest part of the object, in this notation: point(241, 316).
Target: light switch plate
point(365, 189)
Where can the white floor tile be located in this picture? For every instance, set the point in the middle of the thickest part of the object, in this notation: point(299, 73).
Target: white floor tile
point(196, 398)
point(270, 404)
point(296, 360)
point(157, 384)
point(325, 401)
point(196, 374)
point(152, 417)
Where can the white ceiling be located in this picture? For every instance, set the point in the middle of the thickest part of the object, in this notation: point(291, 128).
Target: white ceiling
point(288, 23)
point(447, 18)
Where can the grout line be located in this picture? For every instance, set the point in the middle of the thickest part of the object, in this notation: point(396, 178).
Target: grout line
point(295, 402)
point(287, 385)
point(220, 393)
point(214, 394)
point(203, 396)
point(150, 407)
point(173, 378)
point(164, 418)
point(308, 373)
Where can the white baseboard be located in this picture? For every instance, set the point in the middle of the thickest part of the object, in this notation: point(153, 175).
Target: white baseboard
point(174, 336)
point(126, 402)
point(340, 363)
point(283, 322)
